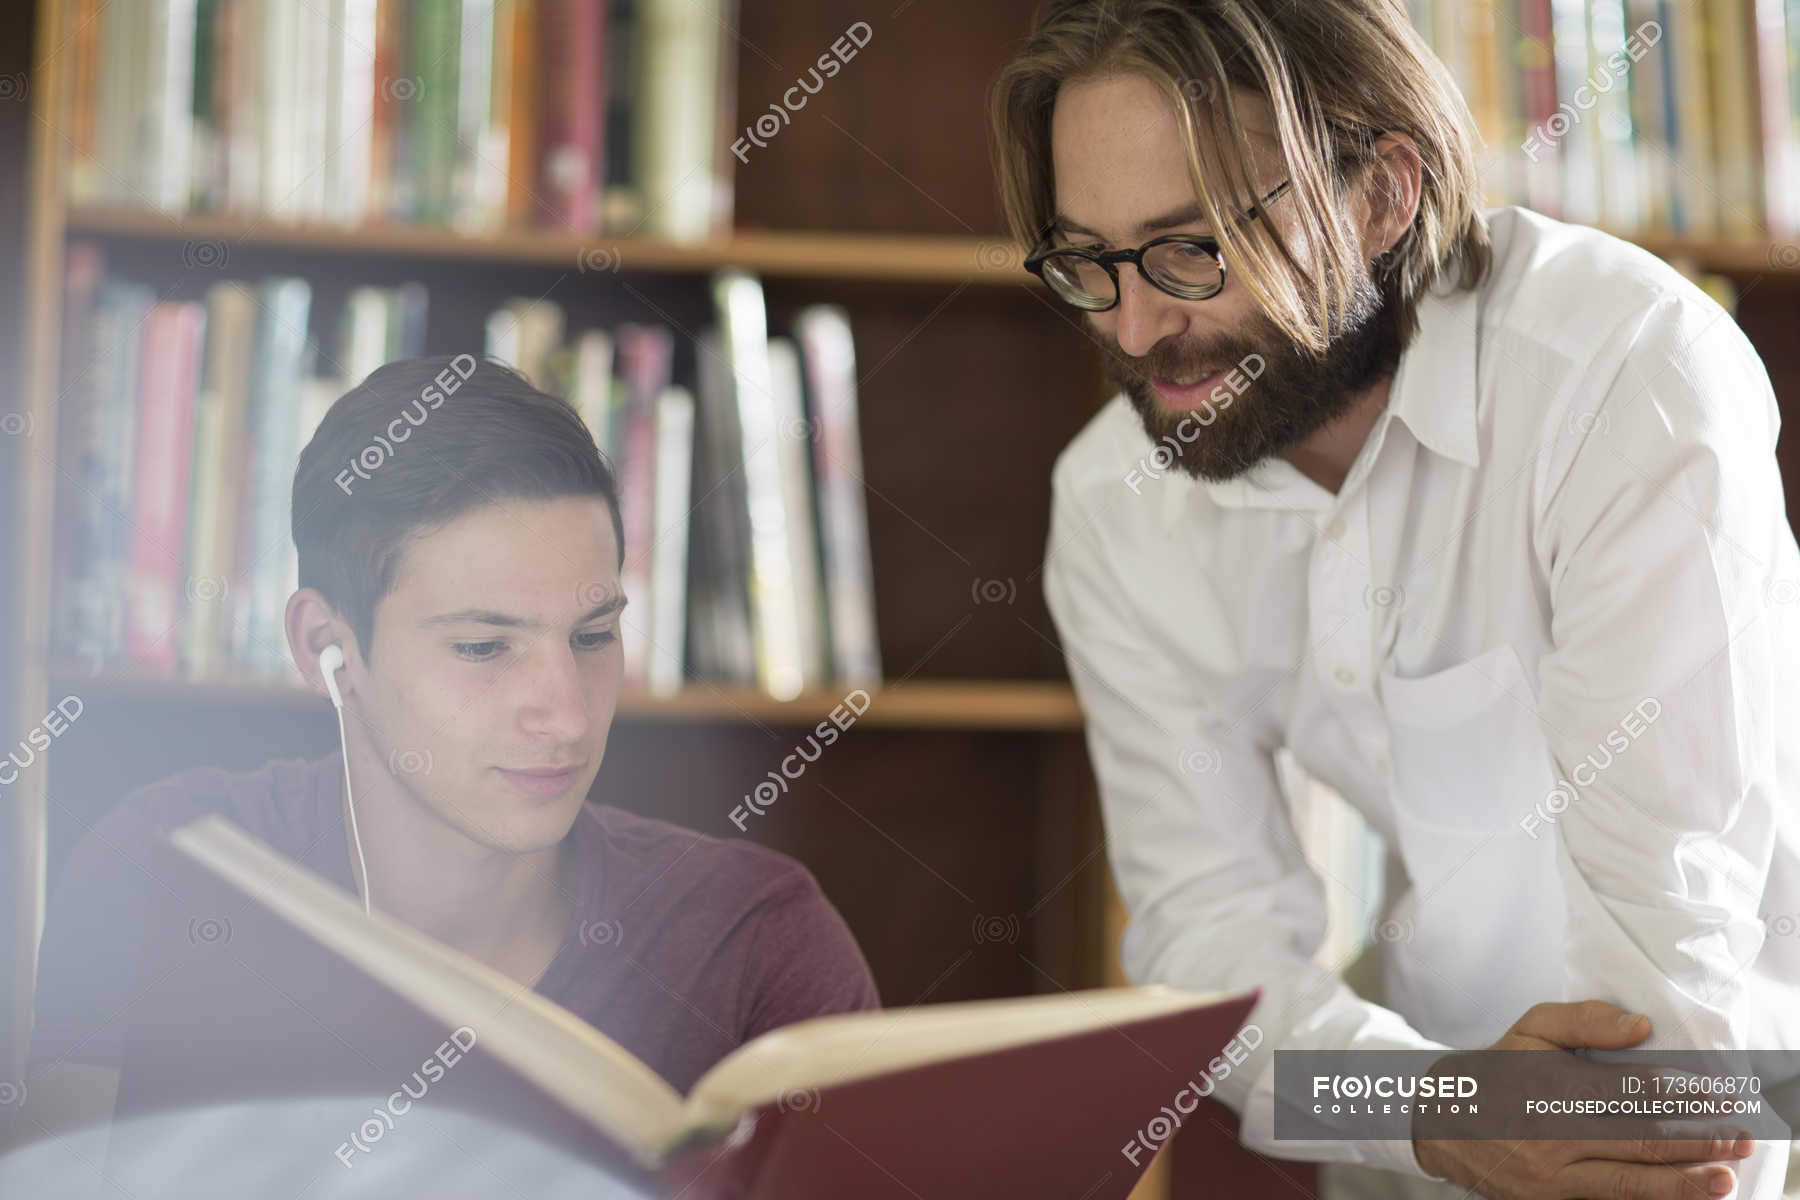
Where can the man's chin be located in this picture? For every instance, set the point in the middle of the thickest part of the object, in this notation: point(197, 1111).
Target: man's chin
point(1194, 439)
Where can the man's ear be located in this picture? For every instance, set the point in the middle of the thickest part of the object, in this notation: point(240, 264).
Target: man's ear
point(312, 624)
point(1392, 192)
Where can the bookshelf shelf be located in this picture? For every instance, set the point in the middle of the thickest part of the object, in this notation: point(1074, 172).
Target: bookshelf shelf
point(1042, 707)
point(879, 258)
point(864, 257)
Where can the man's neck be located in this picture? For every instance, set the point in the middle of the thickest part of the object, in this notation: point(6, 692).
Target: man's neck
point(1327, 456)
point(510, 911)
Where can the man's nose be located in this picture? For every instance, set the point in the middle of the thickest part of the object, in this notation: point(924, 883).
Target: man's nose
point(1146, 313)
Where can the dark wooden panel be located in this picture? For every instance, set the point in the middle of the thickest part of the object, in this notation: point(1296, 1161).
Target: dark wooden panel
point(968, 396)
point(1769, 312)
point(896, 142)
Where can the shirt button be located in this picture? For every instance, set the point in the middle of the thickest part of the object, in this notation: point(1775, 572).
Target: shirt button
point(1346, 676)
point(1335, 530)
point(1381, 764)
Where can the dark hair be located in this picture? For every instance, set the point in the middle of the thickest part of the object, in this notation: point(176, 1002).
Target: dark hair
point(416, 445)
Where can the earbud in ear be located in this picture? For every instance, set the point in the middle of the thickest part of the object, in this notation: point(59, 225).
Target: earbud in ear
point(331, 660)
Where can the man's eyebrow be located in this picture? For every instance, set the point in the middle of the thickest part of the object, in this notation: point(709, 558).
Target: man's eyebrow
point(1169, 220)
point(488, 616)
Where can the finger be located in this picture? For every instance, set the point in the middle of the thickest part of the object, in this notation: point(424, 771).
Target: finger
point(1633, 1181)
point(1583, 1023)
point(1669, 1150)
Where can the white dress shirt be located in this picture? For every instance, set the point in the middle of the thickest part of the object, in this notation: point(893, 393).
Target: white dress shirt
point(1546, 638)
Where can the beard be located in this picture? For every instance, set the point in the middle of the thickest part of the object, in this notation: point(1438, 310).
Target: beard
point(1296, 394)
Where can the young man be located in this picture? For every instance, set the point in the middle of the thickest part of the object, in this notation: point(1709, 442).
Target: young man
point(468, 574)
point(1474, 515)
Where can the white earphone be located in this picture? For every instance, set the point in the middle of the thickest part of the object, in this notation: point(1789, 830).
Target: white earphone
point(331, 660)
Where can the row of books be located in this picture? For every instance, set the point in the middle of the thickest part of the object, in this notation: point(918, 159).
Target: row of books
point(1652, 116)
point(741, 484)
point(585, 115)
point(181, 422)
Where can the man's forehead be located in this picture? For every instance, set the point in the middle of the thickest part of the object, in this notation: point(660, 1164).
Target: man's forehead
point(1114, 167)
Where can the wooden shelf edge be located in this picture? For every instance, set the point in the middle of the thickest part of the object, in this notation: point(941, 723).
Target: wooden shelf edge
point(1026, 706)
point(890, 258)
point(894, 258)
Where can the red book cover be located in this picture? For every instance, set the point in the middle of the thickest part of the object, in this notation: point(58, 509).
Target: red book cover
point(162, 459)
point(573, 36)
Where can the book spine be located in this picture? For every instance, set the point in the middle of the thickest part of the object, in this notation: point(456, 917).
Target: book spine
point(1773, 125)
point(793, 452)
point(829, 353)
point(218, 475)
point(592, 395)
point(1543, 178)
point(622, 205)
point(165, 434)
point(474, 117)
point(646, 356)
point(522, 114)
point(431, 114)
point(1649, 83)
point(1736, 144)
point(718, 599)
point(351, 91)
point(1575, 148)
point(573, 37)
point(168, 156)
point(78, 515)
point(116, 379)
point(774, 609)
point(1621, 191)
point(385, 108)
point(86, 46)
point(669, 552)
point(279, 366)
point(675, 135)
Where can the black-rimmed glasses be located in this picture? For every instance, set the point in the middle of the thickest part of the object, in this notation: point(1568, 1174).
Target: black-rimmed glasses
point(1187, 266)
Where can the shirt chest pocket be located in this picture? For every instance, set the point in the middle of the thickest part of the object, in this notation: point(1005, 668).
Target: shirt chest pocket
point(1483, 922)
point(1466, 749)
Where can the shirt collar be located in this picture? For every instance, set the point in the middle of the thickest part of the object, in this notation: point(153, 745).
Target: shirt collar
point(1433, 395)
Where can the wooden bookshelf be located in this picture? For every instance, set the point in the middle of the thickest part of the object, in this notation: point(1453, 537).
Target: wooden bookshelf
point(1046, 707)
point(860, 257)
point(967, 790)
point(991, 262)
point(961, 793)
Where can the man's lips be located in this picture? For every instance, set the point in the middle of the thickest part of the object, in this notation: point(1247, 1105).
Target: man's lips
point(1176, 398)
point(541, 781)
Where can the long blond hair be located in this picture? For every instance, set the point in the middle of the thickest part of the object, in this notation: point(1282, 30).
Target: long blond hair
point(1336, 73)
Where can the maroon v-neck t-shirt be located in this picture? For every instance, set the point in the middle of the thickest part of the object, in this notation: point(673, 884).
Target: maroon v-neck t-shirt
point(683, 946)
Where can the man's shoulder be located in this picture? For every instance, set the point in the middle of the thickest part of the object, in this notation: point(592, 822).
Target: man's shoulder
point(1569, 287)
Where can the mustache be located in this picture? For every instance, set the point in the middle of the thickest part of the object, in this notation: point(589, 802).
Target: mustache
point(1180, 360)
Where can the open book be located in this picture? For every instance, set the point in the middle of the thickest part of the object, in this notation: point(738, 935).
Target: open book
point(290, 989)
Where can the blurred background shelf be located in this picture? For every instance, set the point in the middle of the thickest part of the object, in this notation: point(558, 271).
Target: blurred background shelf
point(865, 257)
point(1047, 707)
point(855, 256)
